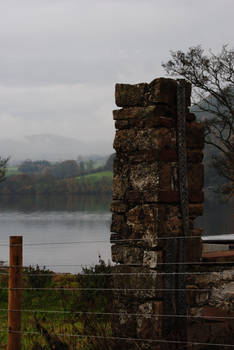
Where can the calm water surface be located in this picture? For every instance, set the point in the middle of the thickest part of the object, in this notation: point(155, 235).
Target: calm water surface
point(57, 219)
point(61, 219)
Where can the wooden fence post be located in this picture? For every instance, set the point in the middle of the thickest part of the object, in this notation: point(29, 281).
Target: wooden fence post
point(15, 293)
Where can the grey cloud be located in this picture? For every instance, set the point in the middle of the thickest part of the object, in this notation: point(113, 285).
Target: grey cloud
point(60, 59)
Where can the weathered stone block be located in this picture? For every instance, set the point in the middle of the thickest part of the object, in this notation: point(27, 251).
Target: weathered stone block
point(127, 95)
point(196, 196)
point(134, 197)
point(118, 207)
point(144, 176)
point(171, 221)
point(193, 248)
point(149, 325)
point(194, 156)
point(195, 135)
point(120, 182)
point(139, 113)
point(118, 224)
point(127, 255)
point(163, 90)
point(190, 117)
point(144, 223)
point(150, 122)
point(195, 176)
point(152, 258)
point(196, 210)
point(168, 176)
point(133, 140)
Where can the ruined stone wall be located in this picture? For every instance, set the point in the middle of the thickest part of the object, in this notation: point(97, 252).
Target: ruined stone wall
point(147, 216)
point(211, 309)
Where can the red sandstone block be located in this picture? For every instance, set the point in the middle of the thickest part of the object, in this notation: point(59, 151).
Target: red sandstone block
point(196, 196)
point(190, 117)
point(169, 196)
point(195, 176)
point(196, 210)
point(194, 156)
point(174, 197)
point(168, 155)
point(193, 247)
point(118, 207)
point(195, 135)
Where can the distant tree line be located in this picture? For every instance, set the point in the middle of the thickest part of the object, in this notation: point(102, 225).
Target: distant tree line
point(64, 178)
point(64, 169)
point(25, 184)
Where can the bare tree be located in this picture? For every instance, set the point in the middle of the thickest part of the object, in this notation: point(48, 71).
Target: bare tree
point(3, 165)
point(212, 78)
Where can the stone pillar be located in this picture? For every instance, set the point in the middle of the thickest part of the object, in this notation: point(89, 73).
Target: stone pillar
point(146, 210)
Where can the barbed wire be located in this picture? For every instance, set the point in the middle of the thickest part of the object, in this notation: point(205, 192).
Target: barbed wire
point(121, 338)
point(156, 273)
point(112, 241)
point(111, 289)
point(125, 314)
point(134, 265)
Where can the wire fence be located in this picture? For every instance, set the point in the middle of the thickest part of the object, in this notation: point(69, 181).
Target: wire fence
point(34, 271)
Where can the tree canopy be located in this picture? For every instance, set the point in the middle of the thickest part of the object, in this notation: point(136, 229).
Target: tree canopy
point(212, 78)
point(3, 165)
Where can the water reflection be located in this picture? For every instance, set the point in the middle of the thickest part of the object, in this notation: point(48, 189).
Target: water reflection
point(57, 219)
point(54, 203)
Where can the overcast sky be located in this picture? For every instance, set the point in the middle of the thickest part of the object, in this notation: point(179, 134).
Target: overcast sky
point(60, 59)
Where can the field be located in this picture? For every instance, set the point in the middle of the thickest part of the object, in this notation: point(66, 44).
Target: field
point(52, 313)
point(98, 175)
point(12, 171)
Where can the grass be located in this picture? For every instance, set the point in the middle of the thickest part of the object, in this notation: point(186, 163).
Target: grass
point(61, 300)
point(98, 175)
point(12, 171)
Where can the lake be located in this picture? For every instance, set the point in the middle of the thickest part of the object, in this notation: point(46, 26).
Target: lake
point(57, 220)
point(73, 219)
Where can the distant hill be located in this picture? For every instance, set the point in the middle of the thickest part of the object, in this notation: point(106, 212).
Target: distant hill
point(52, 147)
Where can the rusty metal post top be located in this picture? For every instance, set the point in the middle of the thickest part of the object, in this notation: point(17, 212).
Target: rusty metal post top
point(16, 239)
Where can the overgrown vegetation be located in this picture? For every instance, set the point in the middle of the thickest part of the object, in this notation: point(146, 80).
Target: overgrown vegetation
point(74, 309)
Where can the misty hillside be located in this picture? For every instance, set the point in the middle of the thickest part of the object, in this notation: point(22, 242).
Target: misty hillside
point(51, 147)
